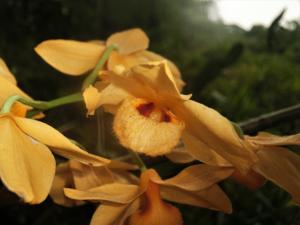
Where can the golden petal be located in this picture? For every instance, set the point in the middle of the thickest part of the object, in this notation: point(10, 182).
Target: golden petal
point(151, 56)
point(91, 98)
point(157, 76)
point(7, 88)
point(63, 179)
point(264, 138)
point(138, 122)
point(282, 167)
point(180, 155)
point(60, 144)
point(86, 176)
point(212, 198)
point(129, 41)
point(113, 214)
point(214, 130)
point(21, 160)
point(201, 151)
point(198, 177)
point(143, 57)
point(112, 95)
point(70, 57)
point(114, 193)
point(5, 72)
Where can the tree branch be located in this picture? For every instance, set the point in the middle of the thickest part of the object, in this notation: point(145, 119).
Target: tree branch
point(267, 120)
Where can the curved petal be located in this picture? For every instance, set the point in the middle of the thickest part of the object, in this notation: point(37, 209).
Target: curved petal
point(198, 177)
point(157, 75)
point(264, 138)
point(202, 152)
point(91, 98)
point(129, 41)
point(212, 198)
point(142, 57)
point(27, 167)
point(114, 214)
point(62, 145)
point(86, 176)
point(180, 155)
point(70, 57)
point(5, 72)
point(112, 95)
point(115, 193)
point(63, 179)
point(213, 129)
point(282, 167)
point(7, 88)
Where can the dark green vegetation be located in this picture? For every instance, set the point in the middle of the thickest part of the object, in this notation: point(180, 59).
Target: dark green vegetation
point(241, 73)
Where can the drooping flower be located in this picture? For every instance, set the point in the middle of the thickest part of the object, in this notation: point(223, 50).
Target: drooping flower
point(151, 115)
point(77, 57)
point(74, 174)
point(144, 205)
point(27, 166)
point(275, 163)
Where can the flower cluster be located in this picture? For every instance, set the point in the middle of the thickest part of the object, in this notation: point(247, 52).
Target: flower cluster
point(152, 117)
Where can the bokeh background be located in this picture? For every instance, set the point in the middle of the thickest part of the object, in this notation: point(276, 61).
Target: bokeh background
point(241, 70)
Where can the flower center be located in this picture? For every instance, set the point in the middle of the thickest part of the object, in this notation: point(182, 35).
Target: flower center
point(138, 122)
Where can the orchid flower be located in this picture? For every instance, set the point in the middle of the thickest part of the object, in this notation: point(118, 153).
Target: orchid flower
point(143, 204)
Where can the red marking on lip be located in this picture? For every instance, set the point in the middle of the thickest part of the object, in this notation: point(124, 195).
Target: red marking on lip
point(165, 117)
point(146, 108)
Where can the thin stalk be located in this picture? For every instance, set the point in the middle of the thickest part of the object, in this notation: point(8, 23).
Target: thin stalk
point(41, 105)
point(90, 79)
point(138, 161)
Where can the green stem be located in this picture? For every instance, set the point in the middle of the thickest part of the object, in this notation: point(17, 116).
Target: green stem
point(41, 105)
point(90, 79)
point(138, 161)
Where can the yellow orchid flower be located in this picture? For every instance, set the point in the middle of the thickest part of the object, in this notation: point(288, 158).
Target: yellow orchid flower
point(143, 205)
point(77, 57)
point(151, 115)
point(275, 163)
point(27, 166)
point(74, 174)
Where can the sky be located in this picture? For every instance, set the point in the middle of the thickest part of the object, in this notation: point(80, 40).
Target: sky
point(246, 13)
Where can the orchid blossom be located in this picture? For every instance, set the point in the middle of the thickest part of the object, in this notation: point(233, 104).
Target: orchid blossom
point(151, 115)
point(143, 204)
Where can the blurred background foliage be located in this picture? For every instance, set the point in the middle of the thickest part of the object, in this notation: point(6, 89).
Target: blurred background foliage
point(240, 73)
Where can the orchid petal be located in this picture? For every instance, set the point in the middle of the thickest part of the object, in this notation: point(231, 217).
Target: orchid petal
point(198, 177)
point(180, 155)
point(212, 198)
point(267, 139)
point(282, 167)
point(5, 72)
point(213, 129)
point(113, 214)
point(27, 167)
point(202, 152)
point(129, 41)
point(7, 88)
point(70, 57)
point(63, 178)
point(114, 193)
point(91, 98)
point(62, 145)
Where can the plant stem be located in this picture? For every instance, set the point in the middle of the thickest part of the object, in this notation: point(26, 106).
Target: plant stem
point(90, 79)
point(138, 161)
point(41, 105)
